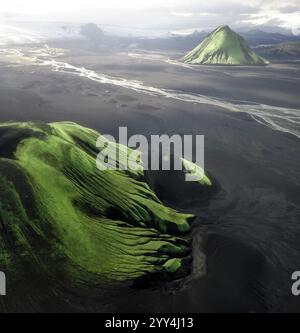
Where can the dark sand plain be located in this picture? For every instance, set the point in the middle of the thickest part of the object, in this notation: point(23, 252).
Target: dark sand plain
point(246, 234)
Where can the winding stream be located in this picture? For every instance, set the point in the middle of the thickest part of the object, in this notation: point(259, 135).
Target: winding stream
point(278, 118)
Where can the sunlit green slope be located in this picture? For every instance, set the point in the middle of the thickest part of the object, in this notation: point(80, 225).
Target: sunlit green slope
point(59, 213)
point(223, 47)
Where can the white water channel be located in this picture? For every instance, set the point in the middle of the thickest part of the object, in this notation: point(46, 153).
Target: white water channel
point(278, 118)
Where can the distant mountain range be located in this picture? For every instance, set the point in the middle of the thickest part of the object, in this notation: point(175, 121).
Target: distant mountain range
point(259, 37)
point(184, 43)
point(281, 52)
point(15, 31)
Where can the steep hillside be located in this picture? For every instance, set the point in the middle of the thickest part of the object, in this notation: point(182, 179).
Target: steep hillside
point(223, 47)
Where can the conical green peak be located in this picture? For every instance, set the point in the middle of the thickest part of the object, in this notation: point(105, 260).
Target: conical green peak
point(223, 46)
point(224, 27)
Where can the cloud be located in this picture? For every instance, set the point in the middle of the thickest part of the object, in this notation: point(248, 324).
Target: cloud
point(218, 7)
point(167, 15)
point(289, 9)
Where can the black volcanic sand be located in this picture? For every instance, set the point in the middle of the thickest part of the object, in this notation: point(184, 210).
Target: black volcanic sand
point(246, 234)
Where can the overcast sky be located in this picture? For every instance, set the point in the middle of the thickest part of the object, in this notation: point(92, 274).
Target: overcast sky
point(179, 15)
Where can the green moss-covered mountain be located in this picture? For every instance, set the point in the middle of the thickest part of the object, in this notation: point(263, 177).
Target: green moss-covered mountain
point(223, 47)
point(62, 217)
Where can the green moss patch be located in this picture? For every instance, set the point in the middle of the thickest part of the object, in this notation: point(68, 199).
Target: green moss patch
point(59, 213)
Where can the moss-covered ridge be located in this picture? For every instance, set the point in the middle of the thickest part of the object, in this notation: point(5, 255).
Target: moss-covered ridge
point(60, 214)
